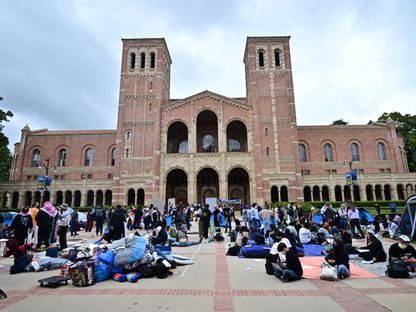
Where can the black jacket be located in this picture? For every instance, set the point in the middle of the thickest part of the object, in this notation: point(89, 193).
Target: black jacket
point(21, 223)
point(117, 219)
point(293, 263)
point(43, 219)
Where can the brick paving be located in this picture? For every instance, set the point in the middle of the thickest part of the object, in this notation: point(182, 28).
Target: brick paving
point(350, 295)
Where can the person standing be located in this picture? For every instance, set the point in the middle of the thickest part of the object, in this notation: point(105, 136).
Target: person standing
point(254, 216)
point(228, 214)
point(117, 223)
point(205, 219)
point(266, 216)
point(21, 224)
point(74, 222)
point(354, 217)
point(138, 215)
point(99, 217)
point(45, 219)
point(90, 221)
point(63, 222)
point(33, 236)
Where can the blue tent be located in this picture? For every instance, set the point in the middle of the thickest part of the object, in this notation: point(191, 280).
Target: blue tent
point(8, 217)
point(364, 213)
point(317, 217)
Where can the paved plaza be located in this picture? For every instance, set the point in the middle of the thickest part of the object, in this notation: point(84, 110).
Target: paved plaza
point(215, 282)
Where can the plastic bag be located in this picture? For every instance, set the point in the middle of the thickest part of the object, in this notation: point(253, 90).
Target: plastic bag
point(102, 271)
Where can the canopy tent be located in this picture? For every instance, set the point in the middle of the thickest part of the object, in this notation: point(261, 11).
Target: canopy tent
point(407, 224)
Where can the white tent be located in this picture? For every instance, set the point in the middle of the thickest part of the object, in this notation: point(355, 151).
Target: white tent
point(407, 224)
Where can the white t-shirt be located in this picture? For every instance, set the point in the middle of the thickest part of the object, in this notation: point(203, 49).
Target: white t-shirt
point(274, 251)
point(304, 235)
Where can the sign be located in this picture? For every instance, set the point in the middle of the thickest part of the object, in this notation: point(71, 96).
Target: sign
point(44, 182)
point(351, 177)
point(211, 201)
point(171, 202)
point(229, 201)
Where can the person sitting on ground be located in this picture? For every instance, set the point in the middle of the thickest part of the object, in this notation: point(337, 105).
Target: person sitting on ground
point(374, 250)
point(270, 231)
point(160, 236)
point(339, 257)
point(305, 235)
point(256, 237)
point(242, 236)
point(402, 250)
point(281, 238)
point(292, 270)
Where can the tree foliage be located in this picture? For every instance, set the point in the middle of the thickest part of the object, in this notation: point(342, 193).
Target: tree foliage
point(406, 127)
point(340, 122)
point(6, 157)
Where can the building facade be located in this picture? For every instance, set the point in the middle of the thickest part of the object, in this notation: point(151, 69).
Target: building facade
point(208, 145)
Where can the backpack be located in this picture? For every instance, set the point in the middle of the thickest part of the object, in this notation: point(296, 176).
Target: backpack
point(233, 250)
point(268, 265)
point(397, 269)
point(99, 213)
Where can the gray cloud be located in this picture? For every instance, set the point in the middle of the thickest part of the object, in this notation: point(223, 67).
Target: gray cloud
point(60, 61)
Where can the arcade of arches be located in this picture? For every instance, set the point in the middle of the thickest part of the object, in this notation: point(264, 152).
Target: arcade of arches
point(208, 185)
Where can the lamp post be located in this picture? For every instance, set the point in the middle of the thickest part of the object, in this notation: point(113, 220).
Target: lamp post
point(47, 167)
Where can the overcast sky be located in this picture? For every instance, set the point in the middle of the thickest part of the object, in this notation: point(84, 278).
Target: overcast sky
point(60, 60)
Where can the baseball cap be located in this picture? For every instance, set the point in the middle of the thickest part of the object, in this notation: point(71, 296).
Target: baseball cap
point(404, 238)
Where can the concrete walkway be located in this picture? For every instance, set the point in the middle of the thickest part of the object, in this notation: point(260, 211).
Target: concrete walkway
point(214, 283)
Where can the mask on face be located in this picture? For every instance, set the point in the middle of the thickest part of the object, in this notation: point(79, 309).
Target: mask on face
point(402, 246)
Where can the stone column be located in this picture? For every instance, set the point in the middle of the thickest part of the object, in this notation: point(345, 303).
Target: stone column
point(84, 199)
point(373, 190)
point(21, 201)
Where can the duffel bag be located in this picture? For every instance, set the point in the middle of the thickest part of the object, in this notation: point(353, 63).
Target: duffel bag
point(82, 273)
point(255, 251)
point(397, 269)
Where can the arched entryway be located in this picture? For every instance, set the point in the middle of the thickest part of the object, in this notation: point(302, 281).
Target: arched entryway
point(59, 197)
point(369, 192)
point(307, 194)
point(284, 194)
point(400, 191)
point(207, 132)
point(378, 192)
point(325, 193)
point(239, 185)
point(338, 193)
point(347, 192)
point(77, 198)
point(68, 198)
point(99, 198)
point(28, 199)
point(387, 192)
point(90, 198)
point(357, 194)
point(177, 186)
point(316, 193)
point(207, 184)
point(108, 197)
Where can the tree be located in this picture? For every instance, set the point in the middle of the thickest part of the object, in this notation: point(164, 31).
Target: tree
point(6, 157)
point(339, 122)
point(406, 128)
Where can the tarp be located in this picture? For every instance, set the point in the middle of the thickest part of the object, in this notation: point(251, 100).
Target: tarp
point(407, 224)
point(229, 201)
point(317, 217)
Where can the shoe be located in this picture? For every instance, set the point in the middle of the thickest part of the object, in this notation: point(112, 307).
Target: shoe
point(284, 280)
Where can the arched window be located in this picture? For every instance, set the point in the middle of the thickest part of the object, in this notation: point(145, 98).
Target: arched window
point(261, 59)
point(355, 153)
point(36, 158)
point(266, 131)
point(150, 107)
point(128, 134)
point(142, 60)
point(328, 152)
point(208, 144)
point(151, 86)
point(302, 153)
point(113, 156)
point(132, 60)
point(62, 158)
point(127, 153)
point(89, 155)
point(277, 58)
point(381, 151)
point(152, 60)
point(267, 151)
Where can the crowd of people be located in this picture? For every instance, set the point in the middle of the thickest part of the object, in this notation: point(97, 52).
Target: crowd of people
point(286, 229)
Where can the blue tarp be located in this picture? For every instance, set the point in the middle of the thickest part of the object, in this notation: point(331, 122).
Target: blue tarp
point(364, 213)
point(317, 217)
point(311, 250)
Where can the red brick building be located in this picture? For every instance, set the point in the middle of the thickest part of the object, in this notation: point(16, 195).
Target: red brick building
point(208, 145)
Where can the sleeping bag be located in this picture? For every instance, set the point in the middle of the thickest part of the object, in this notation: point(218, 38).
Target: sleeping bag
point(134, 250)
point(255, 251)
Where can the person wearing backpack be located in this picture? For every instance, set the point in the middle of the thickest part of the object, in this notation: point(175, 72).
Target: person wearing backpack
point(74, 223)
point(99, 217)
point(21, 224)
point(44, 220)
